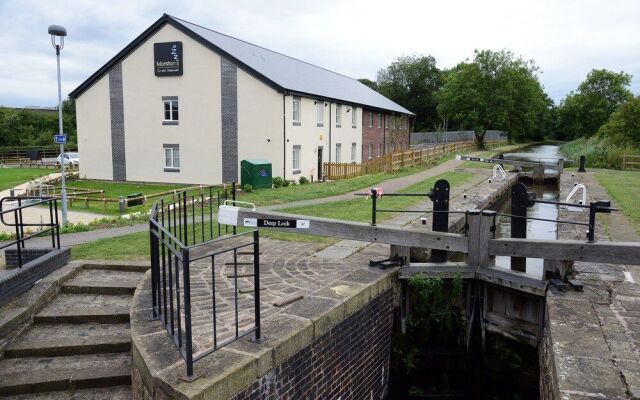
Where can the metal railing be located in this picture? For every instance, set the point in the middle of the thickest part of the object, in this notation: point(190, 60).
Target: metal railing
point(52, 227)
point(182, 232)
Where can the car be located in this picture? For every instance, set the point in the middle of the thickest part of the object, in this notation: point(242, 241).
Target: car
point(69, 159)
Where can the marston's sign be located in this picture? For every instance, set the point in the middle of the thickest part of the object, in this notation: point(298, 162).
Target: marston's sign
point(276, 223)
point(167, 58)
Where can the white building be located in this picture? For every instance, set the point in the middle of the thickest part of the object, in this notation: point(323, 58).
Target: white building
point(186, 104)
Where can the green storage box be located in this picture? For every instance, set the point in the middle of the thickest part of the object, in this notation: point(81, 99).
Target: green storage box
point(256, 173)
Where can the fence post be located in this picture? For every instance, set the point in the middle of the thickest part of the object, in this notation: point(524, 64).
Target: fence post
point(256, 284)
point(583, 161)
point(439, 195)
point(519, 200)
point(374, 197)
point(153, 243)
point(186, 281)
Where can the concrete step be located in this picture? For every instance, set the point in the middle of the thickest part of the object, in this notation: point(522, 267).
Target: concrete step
point(71, 308)
point(48, 340)
point(50, 374)
point(103, 281)
point(109, 393)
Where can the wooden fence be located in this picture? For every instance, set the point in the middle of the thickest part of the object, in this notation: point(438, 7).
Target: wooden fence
point(630, 161)
point(397, 160)
point(16, 154)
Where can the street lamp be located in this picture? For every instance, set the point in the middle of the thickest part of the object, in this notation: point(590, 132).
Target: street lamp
point(58, 33)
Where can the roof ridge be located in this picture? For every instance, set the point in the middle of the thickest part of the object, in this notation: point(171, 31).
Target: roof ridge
point(264, 48)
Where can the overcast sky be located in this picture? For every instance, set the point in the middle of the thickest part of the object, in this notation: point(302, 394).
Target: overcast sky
point(356, 38)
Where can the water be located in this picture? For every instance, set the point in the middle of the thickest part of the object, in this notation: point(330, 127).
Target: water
point(535, 229)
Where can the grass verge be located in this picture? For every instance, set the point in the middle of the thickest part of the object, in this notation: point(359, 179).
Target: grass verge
point(624, 188)
point(11, 177)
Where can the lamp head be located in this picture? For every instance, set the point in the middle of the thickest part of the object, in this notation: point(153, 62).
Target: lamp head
point(57, 30)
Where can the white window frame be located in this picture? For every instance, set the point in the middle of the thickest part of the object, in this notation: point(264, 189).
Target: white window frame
point(354, 149)
point(379, 120)
point(338, 152)
point(386, 122)
point(370, 120)
point(174, 110)
point(379, 149)
point(338, 115)
point(370, 150)
point(354, 117)
point(296, 109)
point(171, 157)
point(295, 160)
point(320, 113)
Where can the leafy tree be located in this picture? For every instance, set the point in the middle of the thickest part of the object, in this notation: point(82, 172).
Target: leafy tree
point(368, 82)
point(412, 82)
point(24, 127)
point(495, 91)
point(584, 111)
point(623, 127)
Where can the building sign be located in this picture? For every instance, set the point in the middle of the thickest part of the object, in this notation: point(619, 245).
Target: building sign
point(167, 58)
point(263, 173)
point(276, 223)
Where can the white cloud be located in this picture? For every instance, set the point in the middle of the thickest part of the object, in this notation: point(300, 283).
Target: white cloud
point(566, 38)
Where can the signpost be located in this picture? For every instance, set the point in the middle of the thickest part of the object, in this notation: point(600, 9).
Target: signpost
point(59, 139)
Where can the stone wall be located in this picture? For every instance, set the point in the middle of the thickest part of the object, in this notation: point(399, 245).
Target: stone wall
point(351, 361)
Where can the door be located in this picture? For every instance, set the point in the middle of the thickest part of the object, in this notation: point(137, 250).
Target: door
point(320, 163)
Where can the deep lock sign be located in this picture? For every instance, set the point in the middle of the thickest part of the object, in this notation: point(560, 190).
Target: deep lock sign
point(276, 223)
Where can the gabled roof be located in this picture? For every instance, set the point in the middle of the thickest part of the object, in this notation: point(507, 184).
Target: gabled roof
point(283, 73)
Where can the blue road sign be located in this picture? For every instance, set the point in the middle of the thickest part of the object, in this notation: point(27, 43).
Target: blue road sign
point(59, 139)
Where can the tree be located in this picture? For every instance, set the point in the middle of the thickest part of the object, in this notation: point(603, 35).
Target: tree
point(623, 127)
point(369, 82)
point(584, 111)
point(412, 82)
point(495, 91)
point(24, 127)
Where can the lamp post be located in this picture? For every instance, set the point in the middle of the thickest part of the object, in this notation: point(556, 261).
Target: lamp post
point(58, 33)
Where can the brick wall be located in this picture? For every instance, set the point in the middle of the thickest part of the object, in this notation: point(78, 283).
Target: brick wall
point(28, 255)
point(391, 138)
point(351, 361)
point(20, 280)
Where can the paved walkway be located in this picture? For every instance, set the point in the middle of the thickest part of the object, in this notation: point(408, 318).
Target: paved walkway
point(595, 335)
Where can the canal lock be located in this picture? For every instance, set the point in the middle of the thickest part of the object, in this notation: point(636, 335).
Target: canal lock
point(443, 352)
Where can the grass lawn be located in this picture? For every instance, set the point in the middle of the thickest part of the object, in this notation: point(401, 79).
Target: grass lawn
point(624, 188)
point(359, 209)
point(135, 246)
point(11, 177)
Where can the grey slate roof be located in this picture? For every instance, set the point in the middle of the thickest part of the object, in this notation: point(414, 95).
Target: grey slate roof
point(295, 75)
point(282, 72)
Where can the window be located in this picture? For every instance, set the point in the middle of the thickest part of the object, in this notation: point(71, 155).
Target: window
point(379, 149)
point(370, 120)
point(338, 152)
point(171, 158)
point(295, 159)
point(296, 110)
point(170, 110)
point(354, 117)
point(338, 115)
point(370, 150)
point(353, 152)
point(320, 113)
point(379, 120)
point(386, 122)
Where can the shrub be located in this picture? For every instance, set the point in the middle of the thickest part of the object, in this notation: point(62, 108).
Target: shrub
point(247, 188)
point(292, 183)
point(279, 182)
point(303, 180)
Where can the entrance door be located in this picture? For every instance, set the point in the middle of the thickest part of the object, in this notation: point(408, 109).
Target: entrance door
point(320, 163)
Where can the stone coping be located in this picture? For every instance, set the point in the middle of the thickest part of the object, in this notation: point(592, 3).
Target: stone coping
point(19, 312)
point(227, 371)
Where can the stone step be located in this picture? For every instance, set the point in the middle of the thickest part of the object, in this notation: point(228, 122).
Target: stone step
point(71, 308)
point(50, 374)
point(103, 281)
point(108, 393)
point(48, 340)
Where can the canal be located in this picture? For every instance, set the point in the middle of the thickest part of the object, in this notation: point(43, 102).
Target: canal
point(436, 360)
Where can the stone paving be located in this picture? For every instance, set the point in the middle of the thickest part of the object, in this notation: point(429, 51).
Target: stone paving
point(595, 334)
point(288, 270)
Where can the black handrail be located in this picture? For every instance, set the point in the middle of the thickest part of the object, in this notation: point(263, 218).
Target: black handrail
point(179, 236)
point(52, 226)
